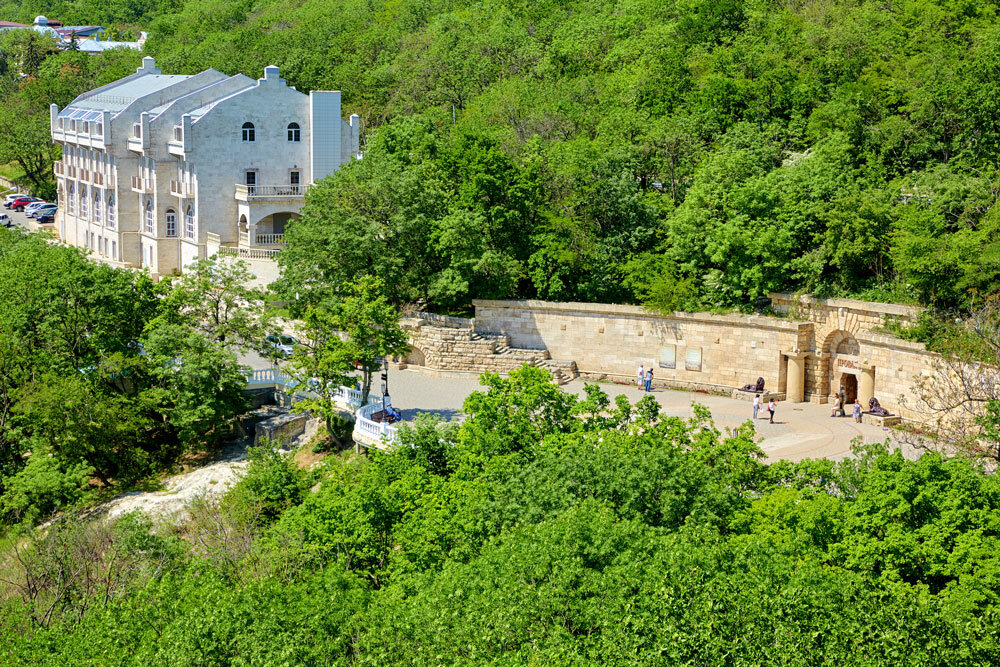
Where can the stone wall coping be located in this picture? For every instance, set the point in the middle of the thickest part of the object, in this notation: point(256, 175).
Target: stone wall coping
point(886, 340)
point(853, 304)
point(569, 307)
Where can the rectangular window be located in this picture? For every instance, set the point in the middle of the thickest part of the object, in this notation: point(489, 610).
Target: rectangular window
point(692, 359)
point(114, 250)
point(171, 226)
point(668, 356)
point(137, 130)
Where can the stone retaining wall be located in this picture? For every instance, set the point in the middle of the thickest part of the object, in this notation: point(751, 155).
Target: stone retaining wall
point(452, 349)
point(689, 350)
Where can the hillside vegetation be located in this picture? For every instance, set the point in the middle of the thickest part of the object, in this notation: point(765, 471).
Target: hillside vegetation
point(567, 532)
point(679, 152)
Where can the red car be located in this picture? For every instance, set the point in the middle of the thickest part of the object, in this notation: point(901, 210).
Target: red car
point(19, 203)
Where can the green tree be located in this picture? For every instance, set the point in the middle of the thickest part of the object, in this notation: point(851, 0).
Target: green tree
point(350, 332)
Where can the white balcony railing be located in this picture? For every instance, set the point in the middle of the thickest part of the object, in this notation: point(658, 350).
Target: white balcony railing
point(179, 189)
point(138, 184)
point(264, 192)
point(59, 168)
point(249, 253)
point(270, 239)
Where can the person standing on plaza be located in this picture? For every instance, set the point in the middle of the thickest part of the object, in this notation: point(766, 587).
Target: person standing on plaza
point(857, 411)
point(836, 405)
point(649, 379)
point(756, 406)
point(770, 408)
point(641, 376)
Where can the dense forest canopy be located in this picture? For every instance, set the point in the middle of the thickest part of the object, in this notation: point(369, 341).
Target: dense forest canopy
point(685, 153)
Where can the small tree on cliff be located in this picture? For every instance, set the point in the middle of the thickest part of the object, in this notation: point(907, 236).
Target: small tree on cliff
point(961, 397)
point(351, 331)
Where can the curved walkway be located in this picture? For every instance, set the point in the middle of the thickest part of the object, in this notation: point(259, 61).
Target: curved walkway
point(800, 430)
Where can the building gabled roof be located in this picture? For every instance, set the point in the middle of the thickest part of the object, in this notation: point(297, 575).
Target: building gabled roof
point(116, 97)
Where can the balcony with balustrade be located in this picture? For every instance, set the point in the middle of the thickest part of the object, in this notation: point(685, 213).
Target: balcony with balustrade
point(265, 193)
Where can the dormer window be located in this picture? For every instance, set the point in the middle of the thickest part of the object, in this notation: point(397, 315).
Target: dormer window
point(249, 134)
point(294, 133)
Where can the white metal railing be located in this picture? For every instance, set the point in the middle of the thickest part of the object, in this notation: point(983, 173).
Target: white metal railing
point(270, 239)
point(250, 192)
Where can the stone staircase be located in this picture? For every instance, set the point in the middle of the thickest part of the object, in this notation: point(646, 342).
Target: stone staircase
point(562, 371)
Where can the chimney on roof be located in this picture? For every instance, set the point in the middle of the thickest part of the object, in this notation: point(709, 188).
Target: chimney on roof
point(148, 66)
point(272, 74)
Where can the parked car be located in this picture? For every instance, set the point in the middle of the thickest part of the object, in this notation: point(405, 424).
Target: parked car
point(31, 210)
point(283, 344)
point(19, 203)
point(46, 218)
point(11, 197)
point(5, 221)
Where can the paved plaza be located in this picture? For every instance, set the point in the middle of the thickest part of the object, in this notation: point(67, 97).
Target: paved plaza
point(800, 430)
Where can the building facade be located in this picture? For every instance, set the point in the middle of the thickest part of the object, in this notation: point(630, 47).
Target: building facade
point(158, 168)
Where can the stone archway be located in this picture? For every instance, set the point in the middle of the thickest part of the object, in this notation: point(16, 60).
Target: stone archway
point(275, 224)
point(416, 357)
point(844, 364)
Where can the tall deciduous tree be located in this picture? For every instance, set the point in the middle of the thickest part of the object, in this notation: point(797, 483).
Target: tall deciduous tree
point(346, 334)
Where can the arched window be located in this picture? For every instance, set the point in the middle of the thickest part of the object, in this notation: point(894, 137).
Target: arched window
point(148, 216)
point(111, 211)
point(189, 223)
point(171, 222)
point(71, 199)
point(83, 201)
point(249, 134)
point(97, 206)
point(294, 133)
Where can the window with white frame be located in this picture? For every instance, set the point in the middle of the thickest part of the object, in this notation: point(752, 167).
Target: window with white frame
point(71, 199)
point(249, 133)
point(111, 211)
point(171, 220)
point(114, 250)
point(294, 133)
point(83, 201)
point(148, 217)
point(189, 223)
point(97, 206)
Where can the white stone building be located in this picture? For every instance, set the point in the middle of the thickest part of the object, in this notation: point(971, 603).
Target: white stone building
point(160, 170)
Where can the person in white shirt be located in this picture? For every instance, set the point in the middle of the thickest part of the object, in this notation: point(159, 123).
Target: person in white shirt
point(641, 376)
point(756, 406)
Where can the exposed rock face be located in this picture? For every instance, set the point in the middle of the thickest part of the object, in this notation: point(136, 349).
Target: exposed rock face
point(282, 428)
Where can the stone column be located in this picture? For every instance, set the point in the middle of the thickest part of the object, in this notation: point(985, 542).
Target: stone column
point(795, 379)
point(866, 385)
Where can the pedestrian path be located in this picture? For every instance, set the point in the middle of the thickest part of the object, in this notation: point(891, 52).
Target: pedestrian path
point(801, 430)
